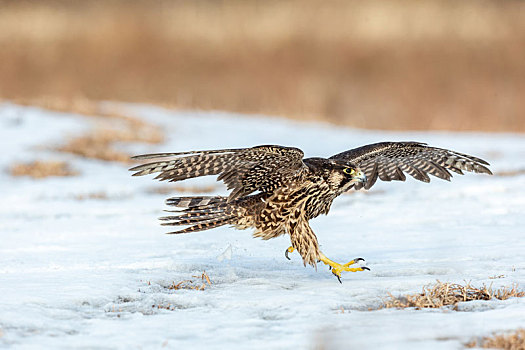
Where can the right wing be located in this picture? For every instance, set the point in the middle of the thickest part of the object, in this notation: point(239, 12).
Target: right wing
point(390, 160)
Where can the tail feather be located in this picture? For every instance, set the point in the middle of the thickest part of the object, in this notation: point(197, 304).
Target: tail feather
point(196, 211)
point(200, 213)
point(193, 217)
point(187, 222)
point(205, 226)
point(195, 202)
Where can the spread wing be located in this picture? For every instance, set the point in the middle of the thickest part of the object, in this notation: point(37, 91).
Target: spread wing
point(390, 160)
point(245, 170)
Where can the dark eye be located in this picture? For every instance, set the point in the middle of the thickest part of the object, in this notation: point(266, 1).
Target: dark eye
point(349, 171)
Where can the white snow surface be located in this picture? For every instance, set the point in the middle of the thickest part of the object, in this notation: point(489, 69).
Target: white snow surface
point(86, 273)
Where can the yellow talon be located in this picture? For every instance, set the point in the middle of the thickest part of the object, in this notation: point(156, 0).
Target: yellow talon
point(338, 268)
point(351, 262)
point(289, 250)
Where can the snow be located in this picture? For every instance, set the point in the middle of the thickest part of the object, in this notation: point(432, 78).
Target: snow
point(86, 273)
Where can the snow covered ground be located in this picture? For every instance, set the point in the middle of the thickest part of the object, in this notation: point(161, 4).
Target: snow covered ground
point(86, 273)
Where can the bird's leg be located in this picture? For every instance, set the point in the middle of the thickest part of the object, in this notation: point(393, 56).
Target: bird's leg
point(338, 268)
point(290, 249)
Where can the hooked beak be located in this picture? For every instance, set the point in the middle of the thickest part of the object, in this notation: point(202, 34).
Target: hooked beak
point(360, 177)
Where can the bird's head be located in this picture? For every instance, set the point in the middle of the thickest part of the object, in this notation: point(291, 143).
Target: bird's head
point(354, 174)
point(345, 175)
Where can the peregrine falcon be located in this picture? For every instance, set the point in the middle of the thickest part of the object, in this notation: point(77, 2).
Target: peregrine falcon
point(275, 191)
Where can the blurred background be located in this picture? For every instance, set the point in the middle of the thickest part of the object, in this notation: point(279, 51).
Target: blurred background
point(392, 64)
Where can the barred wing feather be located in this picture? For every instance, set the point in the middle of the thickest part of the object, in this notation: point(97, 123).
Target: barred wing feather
point(243, 170)
point(391, 160)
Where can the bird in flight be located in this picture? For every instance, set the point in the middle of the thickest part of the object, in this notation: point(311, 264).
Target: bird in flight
point(276, 191)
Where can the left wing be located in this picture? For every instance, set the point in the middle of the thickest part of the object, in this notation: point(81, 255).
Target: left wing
point(390, 160)
point(243, 170)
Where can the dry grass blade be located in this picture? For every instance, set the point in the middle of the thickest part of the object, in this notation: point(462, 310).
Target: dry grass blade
point(92, 195)
point(42, 169)
point(206, 278)
point(508, 341)
point(496, 277)
point(445, 294)
point(191, 284)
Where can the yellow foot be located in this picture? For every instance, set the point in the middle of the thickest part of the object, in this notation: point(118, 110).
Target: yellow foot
point(289, 250)
point(338, 268)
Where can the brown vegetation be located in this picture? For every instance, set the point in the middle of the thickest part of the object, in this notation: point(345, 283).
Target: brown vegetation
point(42, 169)
point(203, 281)
point(96, 145)
point(444, 294)
point(116, 125)
point(192, 284)
point(506, 173)
point(402, 64)
point(92, 196)
point(112, 127)
point(509, 341)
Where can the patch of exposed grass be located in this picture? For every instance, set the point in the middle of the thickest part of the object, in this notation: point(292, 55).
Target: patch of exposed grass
point(94, 196)
point(509, 341)
point(42, 169)
point(96, 145)
point(450, 294)
point(111, 127)
point(136, 129)
point(199, 284)
point(507, 173)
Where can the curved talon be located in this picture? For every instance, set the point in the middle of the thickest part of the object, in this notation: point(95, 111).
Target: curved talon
point(353, 261)
point(288, 250)
point(338, 268)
